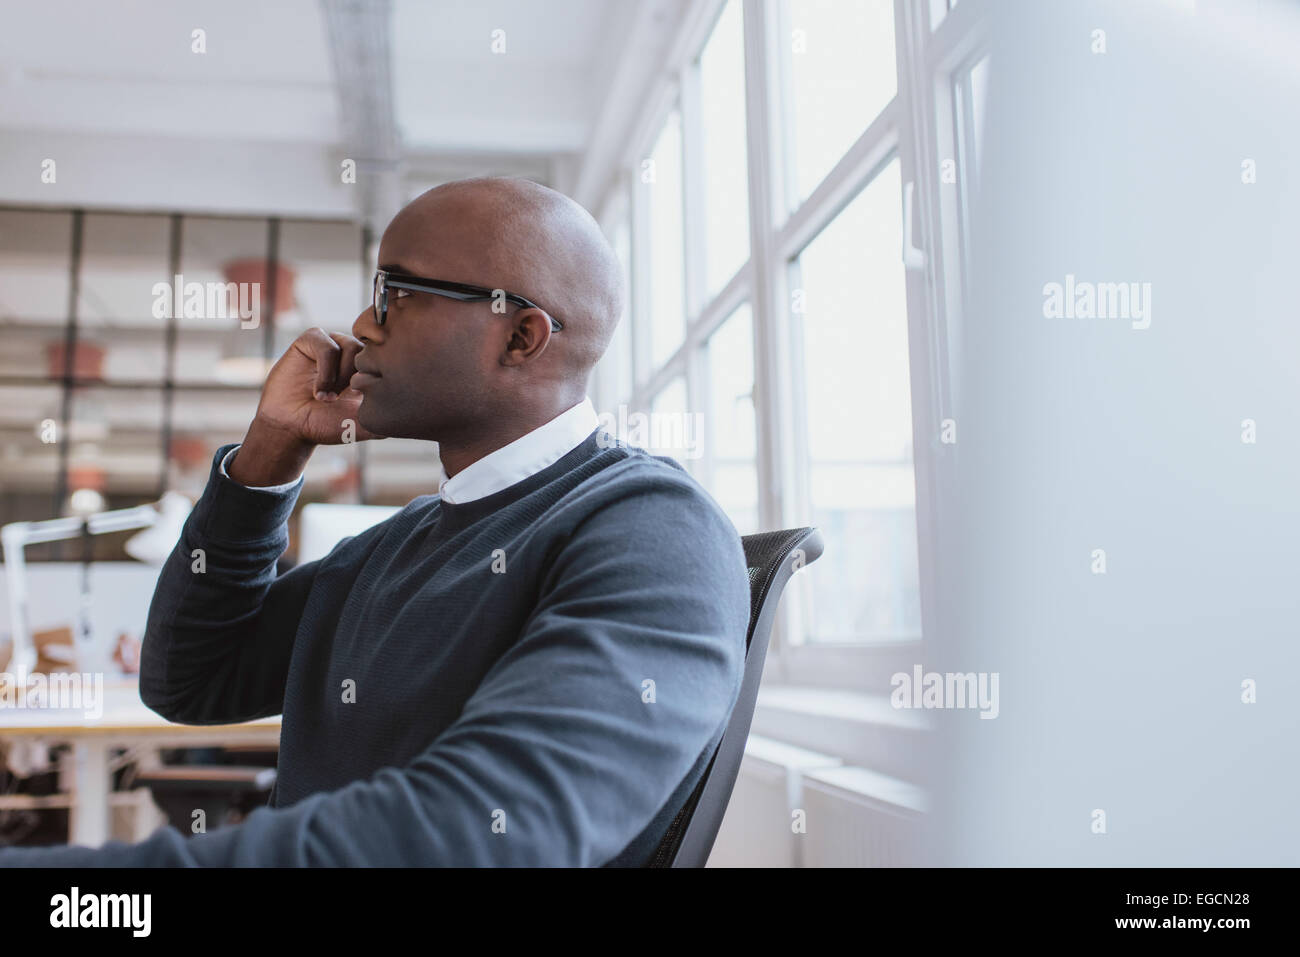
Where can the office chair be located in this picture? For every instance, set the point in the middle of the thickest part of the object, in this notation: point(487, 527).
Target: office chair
point(772, 558)
point(224, 792)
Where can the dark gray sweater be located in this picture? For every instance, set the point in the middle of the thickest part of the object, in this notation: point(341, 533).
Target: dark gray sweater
point(537, 677)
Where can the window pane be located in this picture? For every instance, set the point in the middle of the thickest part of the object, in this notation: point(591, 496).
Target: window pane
point(662, 179)
point(842, 75)
point(672, 430)
point(620, 346)
point(859, 421)
point(731, 434)
point(726, 196)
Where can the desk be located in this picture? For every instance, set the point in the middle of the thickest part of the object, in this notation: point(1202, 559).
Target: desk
point(125, 722)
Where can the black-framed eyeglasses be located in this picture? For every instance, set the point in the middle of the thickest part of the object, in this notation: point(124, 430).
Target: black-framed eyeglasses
point(385, 280)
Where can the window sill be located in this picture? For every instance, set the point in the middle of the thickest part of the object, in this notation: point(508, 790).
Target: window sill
point(858, 729)
point(774, 759)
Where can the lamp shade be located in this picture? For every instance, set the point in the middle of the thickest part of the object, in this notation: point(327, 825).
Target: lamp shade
point(155, 543)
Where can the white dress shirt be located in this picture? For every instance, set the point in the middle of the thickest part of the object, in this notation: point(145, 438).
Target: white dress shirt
point(525, 456)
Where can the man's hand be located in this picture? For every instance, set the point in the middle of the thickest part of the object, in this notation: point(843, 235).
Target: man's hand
point(307, 401)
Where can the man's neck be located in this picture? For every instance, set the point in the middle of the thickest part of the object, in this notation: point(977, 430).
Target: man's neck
point(457, 456)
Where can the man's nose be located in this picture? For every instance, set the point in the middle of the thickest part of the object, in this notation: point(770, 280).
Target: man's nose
point(366, 328)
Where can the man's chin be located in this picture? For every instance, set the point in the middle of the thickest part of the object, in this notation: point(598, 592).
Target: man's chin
point(368, 419)
point(370, 416)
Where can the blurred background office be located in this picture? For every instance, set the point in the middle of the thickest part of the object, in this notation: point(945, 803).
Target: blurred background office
point(751, 163)
point(829, 297)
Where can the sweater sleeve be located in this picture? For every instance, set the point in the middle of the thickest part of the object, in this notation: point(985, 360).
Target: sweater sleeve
point(221, 623)
point(574, 741)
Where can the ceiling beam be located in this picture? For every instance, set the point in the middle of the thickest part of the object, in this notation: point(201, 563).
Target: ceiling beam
point(359, 32)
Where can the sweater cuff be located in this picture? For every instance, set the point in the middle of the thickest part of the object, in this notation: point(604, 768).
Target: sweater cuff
point(225, 470)
point(238, 513)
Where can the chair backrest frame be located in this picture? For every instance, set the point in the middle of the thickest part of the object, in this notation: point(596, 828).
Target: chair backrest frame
point(772, 558)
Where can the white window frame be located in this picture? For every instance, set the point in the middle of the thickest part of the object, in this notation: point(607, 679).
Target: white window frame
point(679, 89)
point(917, 126)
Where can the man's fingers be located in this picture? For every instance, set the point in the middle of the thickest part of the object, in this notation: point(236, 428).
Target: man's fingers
point(326, 352)
point(348, 349)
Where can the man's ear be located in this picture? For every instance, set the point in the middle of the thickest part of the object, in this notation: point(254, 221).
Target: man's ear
point(530, 333)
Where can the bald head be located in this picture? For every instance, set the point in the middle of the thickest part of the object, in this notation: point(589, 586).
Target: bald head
point(517, 235)
point(468, 374)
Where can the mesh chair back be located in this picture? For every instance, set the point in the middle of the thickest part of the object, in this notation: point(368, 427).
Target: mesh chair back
point(772, 557)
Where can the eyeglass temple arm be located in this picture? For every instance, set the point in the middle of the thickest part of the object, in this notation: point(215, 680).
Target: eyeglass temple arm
point(556, 324)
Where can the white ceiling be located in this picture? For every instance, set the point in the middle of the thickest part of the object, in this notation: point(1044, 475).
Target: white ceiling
point(86, 67)
point(541, 95)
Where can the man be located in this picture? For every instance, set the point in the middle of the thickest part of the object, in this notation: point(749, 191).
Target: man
point(532, 667)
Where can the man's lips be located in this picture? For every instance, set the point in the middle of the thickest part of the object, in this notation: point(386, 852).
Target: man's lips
point(363, 377)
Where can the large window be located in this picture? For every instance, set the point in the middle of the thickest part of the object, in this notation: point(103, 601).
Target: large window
point(666, 433)
point(731, 446)
point(722, 121)
point(850, 320)
point(688, 240)
point(799, 261)
point(623, 374)
point(841, 75)
point(661, 179)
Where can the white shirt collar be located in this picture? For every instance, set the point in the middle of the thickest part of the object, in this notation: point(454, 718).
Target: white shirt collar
point(525, 456)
